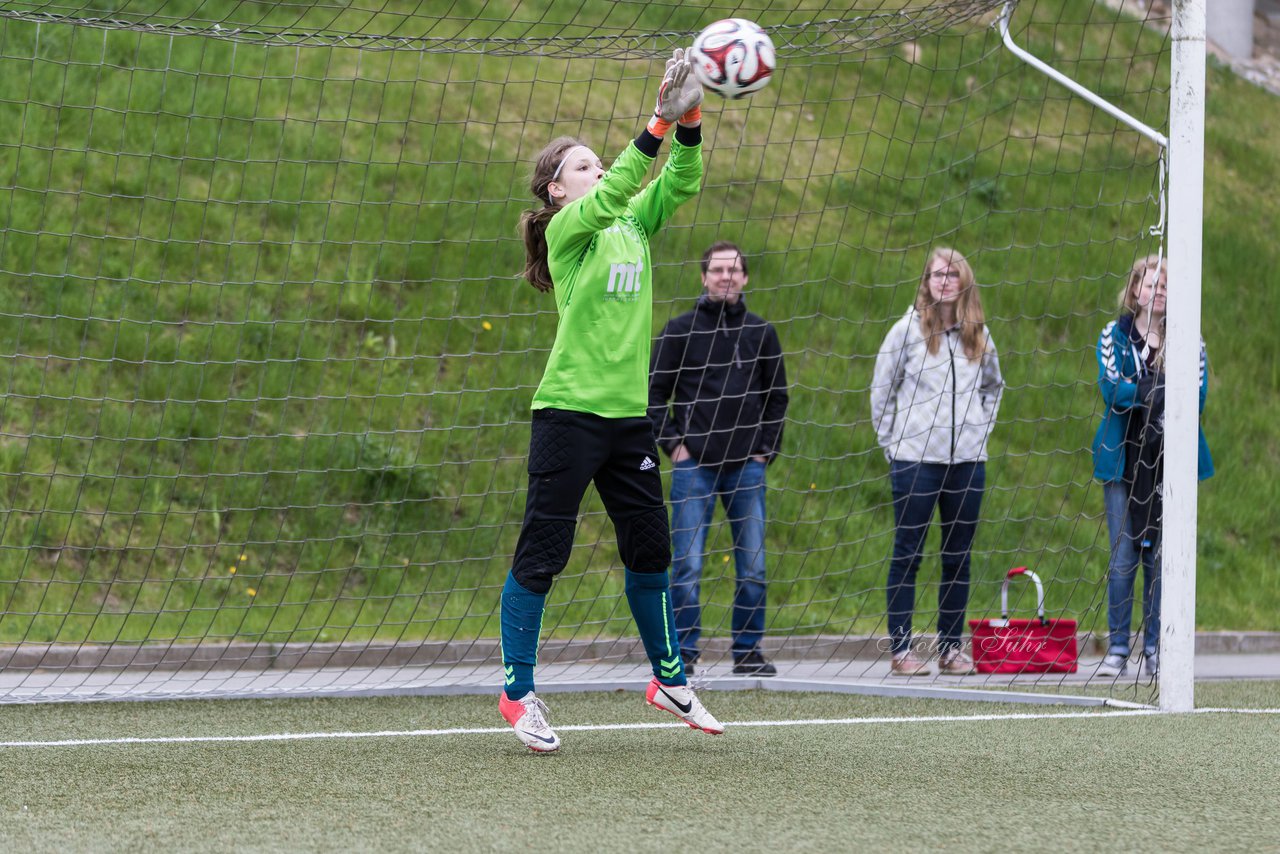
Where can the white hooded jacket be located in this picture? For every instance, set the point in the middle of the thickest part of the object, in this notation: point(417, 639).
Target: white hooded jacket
point(934, 408)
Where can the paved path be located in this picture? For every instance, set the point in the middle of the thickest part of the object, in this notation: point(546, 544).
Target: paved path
point(863, 677)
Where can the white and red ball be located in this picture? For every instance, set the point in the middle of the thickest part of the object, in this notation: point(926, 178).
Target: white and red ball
point(733, 57)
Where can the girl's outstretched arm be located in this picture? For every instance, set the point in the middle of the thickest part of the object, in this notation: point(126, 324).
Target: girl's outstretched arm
point(679, 94)
point(679, 181)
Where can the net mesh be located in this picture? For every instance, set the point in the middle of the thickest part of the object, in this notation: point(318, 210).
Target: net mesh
point(268, 363)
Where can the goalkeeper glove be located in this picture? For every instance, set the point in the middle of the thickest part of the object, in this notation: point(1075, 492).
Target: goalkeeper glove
point(679, 96)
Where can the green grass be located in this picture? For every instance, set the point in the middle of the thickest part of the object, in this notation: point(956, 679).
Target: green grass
point(256, 311)
point(1156, 783)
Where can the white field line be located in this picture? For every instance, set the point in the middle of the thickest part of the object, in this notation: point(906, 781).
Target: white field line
point(418, 733)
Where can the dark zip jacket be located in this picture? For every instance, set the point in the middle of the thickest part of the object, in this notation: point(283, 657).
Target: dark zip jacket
point(718, 385)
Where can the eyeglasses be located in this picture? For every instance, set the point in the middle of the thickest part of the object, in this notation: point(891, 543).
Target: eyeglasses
point(939, 275)
point(720, 271)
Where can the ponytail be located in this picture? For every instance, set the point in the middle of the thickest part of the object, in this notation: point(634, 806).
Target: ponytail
point(533, 228)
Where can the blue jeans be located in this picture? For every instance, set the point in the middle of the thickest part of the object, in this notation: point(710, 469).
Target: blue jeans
point(694, 489)
point(1122, 572)
point(956, 490)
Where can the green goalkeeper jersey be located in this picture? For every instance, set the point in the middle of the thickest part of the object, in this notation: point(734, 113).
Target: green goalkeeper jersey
point(598, 254)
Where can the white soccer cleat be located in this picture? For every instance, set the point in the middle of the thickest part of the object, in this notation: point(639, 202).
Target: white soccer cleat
point(528, 716)
point(680, 701)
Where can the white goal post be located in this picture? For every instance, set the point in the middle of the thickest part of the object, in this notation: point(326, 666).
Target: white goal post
point(1182, 419)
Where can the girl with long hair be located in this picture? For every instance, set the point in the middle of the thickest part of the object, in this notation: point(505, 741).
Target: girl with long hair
point(1127, 457)
point(934, 401)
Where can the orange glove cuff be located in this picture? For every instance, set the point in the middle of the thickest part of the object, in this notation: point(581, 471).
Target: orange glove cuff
point(692, 117)
point(658, 127)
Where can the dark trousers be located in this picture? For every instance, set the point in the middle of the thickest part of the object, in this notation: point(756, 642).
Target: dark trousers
point(956, 491)
point(567, 451)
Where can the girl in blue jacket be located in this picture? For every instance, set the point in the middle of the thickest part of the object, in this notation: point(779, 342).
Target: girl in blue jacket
point(1130, 377)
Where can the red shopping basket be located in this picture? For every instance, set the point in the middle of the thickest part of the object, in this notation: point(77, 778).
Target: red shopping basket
point(1024, 646)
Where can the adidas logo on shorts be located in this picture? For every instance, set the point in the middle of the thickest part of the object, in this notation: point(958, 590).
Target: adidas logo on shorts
point(648, 464)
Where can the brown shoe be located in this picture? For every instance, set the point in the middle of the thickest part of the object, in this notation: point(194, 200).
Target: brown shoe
point(907, 664)
point(956, 663)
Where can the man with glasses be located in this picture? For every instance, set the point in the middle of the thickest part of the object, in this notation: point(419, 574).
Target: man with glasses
point(717, 399)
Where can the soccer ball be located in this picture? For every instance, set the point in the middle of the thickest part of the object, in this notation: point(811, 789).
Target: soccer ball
point(733, 57)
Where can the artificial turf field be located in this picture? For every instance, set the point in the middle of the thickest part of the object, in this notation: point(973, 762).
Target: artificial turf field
point(1088, 782)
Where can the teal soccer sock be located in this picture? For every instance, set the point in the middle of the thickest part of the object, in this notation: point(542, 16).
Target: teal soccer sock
point(521, 626)
point(649, 595)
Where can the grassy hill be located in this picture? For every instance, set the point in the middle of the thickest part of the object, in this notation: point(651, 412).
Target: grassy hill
point(259, 315)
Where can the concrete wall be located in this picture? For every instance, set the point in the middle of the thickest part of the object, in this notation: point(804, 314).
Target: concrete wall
point(1230, 26)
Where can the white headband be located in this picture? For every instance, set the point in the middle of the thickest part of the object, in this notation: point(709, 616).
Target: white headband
point(567, 155)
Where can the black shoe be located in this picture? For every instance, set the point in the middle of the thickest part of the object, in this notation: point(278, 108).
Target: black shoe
point(688, 664)
point(753, 664)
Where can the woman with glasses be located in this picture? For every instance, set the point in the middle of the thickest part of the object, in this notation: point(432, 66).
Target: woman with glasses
point(934, 401)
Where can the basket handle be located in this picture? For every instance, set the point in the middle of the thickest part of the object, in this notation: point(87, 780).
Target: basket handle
point(1004, 593)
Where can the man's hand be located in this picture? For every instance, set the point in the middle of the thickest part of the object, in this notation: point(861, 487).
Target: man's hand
point(680, 454)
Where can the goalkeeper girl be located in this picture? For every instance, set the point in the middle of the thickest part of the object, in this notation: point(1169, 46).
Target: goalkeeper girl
point(589, 245)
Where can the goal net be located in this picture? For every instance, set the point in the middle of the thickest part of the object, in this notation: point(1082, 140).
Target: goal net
point(268, 360)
